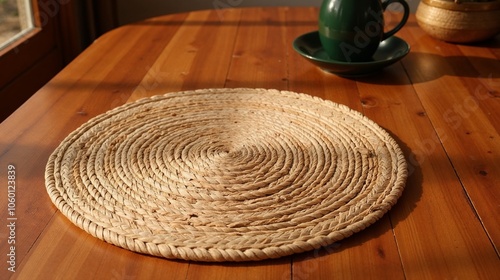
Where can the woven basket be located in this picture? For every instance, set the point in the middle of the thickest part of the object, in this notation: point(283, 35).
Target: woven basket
point(464, 22)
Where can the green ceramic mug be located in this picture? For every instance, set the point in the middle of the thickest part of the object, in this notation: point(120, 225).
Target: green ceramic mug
point(351, 30)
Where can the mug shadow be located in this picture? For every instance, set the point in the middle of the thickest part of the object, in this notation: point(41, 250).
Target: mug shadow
point(424, 67)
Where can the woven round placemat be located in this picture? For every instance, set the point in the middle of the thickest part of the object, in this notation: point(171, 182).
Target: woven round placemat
point(226, 174)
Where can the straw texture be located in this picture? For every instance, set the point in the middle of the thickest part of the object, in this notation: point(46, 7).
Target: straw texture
point(226, 174)
point(459, 22)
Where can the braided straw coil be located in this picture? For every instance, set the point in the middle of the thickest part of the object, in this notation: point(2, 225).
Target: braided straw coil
point(226, 174)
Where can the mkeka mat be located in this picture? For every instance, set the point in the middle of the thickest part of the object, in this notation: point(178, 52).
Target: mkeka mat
point(226, 174)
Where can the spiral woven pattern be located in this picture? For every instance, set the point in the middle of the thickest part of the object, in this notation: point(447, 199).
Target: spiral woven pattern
point(226, 174)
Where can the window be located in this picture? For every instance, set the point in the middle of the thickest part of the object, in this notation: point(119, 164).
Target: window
point(32, 50)
point(16, 19)
point(44, 36)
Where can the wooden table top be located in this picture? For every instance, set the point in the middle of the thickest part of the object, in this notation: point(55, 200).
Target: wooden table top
point(441, 103)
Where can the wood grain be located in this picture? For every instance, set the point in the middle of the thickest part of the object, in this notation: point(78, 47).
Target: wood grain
point(432, 179)
point(259, 58)
point(440, 103)
point(457, 104)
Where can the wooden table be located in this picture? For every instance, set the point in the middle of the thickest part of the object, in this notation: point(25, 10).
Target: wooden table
point(441, 103)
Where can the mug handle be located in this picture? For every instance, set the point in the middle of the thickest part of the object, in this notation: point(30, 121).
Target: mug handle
point(406, 14)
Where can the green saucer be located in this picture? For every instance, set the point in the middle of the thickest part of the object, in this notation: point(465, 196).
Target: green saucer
point(389, 51)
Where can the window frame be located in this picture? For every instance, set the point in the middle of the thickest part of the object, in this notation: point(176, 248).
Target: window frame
point(32, 60)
